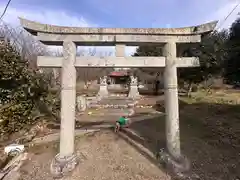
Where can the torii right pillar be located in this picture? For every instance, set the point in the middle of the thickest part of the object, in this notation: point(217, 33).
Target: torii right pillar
point(171, 100)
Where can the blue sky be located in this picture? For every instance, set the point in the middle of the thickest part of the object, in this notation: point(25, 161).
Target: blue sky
point(124, 13)
point(121, 13)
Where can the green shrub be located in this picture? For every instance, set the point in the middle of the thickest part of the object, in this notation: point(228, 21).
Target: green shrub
point(21, 90)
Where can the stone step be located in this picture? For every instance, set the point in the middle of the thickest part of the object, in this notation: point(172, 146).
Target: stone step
point(118, 95)
point(115, 101)
point(111, 97)
point(111, 103)
point(110, 106)
point(110, 112)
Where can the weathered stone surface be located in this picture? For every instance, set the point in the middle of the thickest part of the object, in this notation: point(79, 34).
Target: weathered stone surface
point(48, 61)
point(171, 101)
point(179, 167)
point(34, 27)
point(68, 100)
point(120, 50)
point(61, 166)
point(109, 40)
point(187, 62)
point(121, 62)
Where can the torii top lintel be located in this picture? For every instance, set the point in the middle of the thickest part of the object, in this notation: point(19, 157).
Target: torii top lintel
point(35, 27)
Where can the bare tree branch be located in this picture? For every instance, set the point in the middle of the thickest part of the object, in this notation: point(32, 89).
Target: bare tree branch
point(29, 48)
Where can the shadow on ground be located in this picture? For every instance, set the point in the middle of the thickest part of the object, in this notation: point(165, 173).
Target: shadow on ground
point(82, 124)
point(210, 138)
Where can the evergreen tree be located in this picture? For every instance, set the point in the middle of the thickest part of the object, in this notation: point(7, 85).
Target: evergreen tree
point(20, 89)
point(212, 55)
point(232, 64)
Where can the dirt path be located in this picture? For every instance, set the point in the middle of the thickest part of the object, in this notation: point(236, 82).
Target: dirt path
point(210, 138)
point(104, 156)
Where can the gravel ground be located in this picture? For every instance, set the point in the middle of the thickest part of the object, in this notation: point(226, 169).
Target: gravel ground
point(104, 156)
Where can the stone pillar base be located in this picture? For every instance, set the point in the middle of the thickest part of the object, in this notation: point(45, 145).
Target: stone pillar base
point(63, 166)
point(81, 103)
point(179, 167)
point(133, 93)
point(103, 92)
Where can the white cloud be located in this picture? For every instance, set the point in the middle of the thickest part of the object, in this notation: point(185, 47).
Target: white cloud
point(56, 17)
point(50, 16)
point(220, 9)
point(223, 12)
point(130, 50)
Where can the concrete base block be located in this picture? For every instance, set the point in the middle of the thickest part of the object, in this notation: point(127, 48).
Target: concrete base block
point(179, 167)
point(103, 92)
point(133, 93)
point(81, 103)
point(63, 166)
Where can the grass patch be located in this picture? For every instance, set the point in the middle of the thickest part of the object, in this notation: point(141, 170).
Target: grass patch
point(209, 132)
point(216, 96)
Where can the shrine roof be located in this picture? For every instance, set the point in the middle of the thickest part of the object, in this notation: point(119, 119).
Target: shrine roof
point(118, 73)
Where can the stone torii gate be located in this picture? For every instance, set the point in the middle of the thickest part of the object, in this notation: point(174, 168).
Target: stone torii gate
point(71, 37)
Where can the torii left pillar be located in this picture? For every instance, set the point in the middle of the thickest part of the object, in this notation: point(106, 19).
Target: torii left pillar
point(66, 160)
